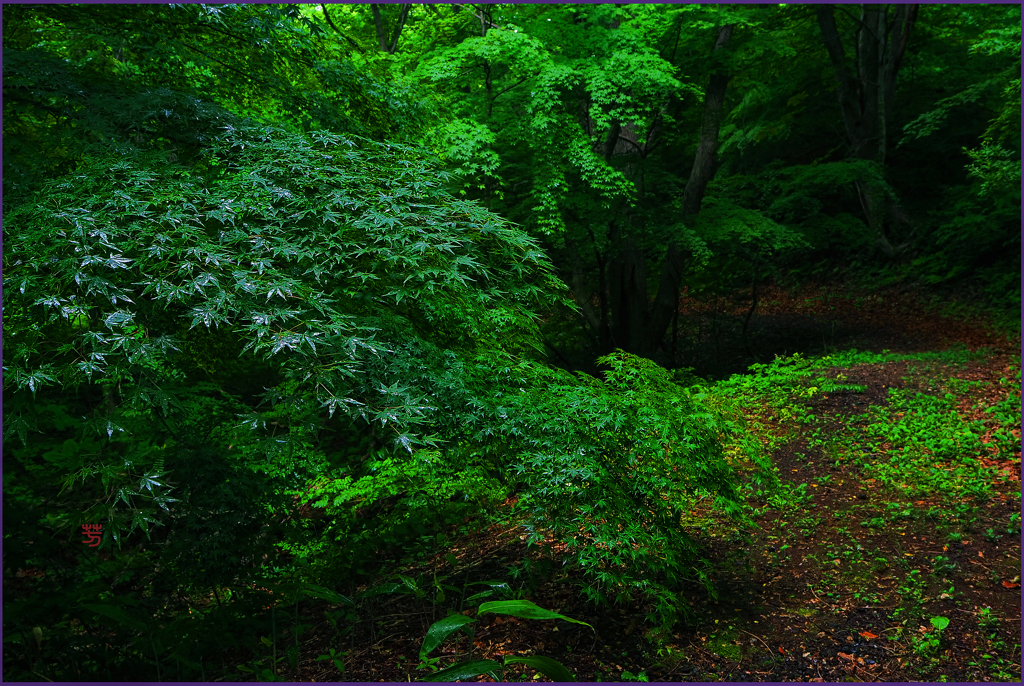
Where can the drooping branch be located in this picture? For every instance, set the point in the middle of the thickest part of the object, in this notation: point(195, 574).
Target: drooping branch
point(330, 23)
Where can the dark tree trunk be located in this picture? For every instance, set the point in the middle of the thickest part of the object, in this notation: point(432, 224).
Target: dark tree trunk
point(582, 294)
point(629, 300)
point(386, 45)
point(637, 325)
point(705, 162)
point(866, 99)
point(666, 302)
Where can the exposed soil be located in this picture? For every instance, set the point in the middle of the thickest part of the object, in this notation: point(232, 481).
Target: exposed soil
point(824, 598)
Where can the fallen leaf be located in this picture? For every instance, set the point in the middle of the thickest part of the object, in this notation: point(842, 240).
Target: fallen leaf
point(781, 650)
point(981, 554)
point(845, 656)
point(1010, 584)
point(868, 635)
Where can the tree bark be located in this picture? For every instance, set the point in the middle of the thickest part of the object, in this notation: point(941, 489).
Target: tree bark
point(389, 46)
point(866, 99)
point(707, 148)
point(666, 302)
point(629, 300)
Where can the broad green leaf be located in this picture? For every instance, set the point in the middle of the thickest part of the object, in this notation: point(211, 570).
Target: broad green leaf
point(468, 670)
point(116, 613)
point(383, 589)
point(480, 596)
point(440, 630)
point(552, 669)
point(494, 584)
point(326, 594)
point(524, 609)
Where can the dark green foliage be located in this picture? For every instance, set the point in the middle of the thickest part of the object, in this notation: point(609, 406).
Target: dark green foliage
point(343, 274)
point(268, 319)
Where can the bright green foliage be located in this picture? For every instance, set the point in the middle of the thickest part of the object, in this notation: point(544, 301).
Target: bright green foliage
point(612, 464)
point(324, 259)
point(933, 450)
point(250, 312)
point(167, 289)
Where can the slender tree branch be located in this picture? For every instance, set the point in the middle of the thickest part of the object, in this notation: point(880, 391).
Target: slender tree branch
point(398, 30)
point(505, 90)
point(351, 42)
point(478, 16)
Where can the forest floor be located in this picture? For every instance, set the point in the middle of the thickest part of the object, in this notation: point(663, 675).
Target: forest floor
point(849, 575)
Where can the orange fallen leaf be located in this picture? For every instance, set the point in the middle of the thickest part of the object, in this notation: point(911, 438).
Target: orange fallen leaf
point(781, 650)
point(845, 656)
point(981, 554)
point(1010, 584)
point(868, 635)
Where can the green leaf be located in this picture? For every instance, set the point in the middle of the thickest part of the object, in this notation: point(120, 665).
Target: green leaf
point(480, 596)
point(116, 613)
point(524, 609)
point(494, 584)
point(553, 669)
point(383, 589)
point(440, 630)
point(940, 623)
point(468, 670)
point(326, 594)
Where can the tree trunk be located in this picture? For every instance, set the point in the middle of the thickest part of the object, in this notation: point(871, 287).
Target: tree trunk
point(582, 294)
point(389, 46)
point(866, 99)
point(629, 300)
point(637, 325)
point(705, 162)
point(666, 302)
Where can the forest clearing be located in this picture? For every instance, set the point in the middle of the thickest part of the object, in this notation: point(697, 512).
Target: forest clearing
point(511, 342)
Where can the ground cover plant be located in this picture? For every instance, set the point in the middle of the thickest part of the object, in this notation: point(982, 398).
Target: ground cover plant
point(511, 342)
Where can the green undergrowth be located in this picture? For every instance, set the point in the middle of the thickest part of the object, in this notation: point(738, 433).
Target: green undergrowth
point(920, 445)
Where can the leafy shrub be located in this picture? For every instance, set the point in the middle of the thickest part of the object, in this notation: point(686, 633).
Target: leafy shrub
point(609, 467)
point(189, 333)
